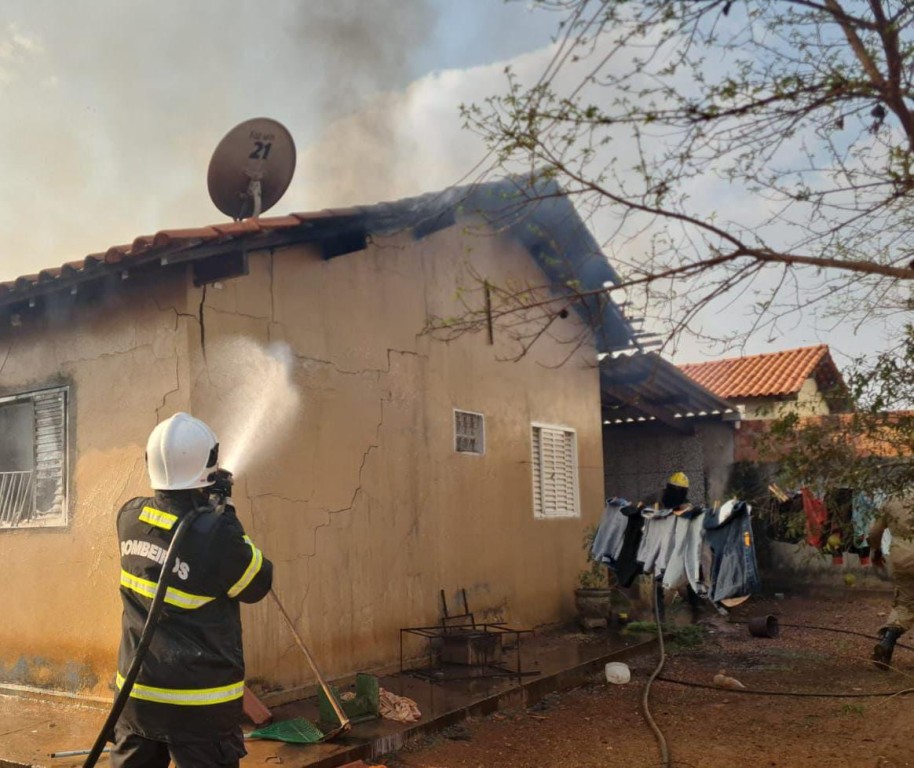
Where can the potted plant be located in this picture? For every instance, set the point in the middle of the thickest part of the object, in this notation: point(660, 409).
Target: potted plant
point(593, 596)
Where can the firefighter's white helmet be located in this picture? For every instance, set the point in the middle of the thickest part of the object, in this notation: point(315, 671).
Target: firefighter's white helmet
point(182, 453)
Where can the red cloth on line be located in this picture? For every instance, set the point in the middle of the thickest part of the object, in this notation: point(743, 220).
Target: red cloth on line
point(816, 514)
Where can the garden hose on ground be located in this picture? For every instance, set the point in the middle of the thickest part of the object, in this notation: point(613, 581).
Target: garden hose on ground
point(800, 694)
point(835, 629)
point(803, 694)
point(645, 708)
point(152, 621)
point(655, 675)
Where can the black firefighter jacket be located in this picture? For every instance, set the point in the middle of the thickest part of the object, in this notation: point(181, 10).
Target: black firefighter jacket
point(191, 684)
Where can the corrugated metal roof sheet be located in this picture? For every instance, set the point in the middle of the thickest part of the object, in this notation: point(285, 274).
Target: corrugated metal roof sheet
point(539, 216)
point(765, 375)
point(645, 387)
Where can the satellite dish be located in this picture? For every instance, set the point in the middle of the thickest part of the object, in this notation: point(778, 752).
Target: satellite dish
point(251, 168)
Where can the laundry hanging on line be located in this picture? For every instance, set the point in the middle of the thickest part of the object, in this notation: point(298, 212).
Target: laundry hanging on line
point(669, 544)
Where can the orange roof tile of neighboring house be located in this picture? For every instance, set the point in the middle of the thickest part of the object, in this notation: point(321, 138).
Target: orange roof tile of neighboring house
point(767, 375)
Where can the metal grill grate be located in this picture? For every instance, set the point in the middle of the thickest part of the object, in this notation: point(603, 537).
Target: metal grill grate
point(16, 497)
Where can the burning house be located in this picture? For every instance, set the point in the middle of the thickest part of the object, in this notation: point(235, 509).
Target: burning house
point(410, 465)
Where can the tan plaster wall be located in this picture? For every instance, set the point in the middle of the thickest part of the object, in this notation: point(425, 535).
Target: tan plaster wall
point(121, 355)
point(362, 503)
point(364, 506)
point(809, 402)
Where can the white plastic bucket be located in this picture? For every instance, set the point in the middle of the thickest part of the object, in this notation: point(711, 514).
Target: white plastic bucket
point(617, 673)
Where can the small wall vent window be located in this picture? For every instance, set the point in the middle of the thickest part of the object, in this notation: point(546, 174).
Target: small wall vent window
point(33, 459)
point(469, 432)
point(555, 472)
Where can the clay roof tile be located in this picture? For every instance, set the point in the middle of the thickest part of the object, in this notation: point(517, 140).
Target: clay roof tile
point(116, 253)
point(49, 274)
point(270, 223)
point(764, 375)
point(243, 227)
point(171, 236)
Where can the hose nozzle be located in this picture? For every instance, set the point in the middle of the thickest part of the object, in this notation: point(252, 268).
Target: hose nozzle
point(222, 484)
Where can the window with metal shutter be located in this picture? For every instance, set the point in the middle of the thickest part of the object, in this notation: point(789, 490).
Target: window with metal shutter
point(555, 483)
point(33, 459)
point(50, 454)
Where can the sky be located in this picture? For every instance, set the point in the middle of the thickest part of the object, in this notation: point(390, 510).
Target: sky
point(111, 110)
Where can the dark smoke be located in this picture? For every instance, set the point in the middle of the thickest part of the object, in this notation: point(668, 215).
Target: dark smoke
point(356, 50)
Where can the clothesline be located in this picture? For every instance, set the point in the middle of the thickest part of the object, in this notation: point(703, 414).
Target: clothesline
point(711, 550)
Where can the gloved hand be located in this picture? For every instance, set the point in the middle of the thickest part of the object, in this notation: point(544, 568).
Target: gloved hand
point(223, 480)
point(229, 510)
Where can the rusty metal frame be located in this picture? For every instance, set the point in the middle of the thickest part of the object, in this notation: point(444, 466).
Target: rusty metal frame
point(468, 624)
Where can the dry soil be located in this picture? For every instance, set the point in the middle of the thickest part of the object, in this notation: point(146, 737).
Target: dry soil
point(602, 724)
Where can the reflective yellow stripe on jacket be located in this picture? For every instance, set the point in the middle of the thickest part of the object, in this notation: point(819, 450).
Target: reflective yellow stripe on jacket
point(250, 572)
point(173, 596)
point(158, 518)
point(187, 697)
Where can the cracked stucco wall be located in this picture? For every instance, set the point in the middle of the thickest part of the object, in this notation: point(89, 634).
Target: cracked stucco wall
point(124, 356)
point(364, 506)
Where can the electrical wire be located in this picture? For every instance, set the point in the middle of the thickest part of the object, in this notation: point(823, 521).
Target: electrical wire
point(645, 707)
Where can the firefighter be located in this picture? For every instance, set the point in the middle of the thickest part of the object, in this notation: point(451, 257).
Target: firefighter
point(186, 704)
point(675, 497)
point(676, 493)
point(898, 516)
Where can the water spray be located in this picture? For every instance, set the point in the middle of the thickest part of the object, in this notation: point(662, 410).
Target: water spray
point(262, 398)
point(268, 399)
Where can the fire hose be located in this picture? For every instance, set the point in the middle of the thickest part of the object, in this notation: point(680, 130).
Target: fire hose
point(220, 491)
point(645, 694)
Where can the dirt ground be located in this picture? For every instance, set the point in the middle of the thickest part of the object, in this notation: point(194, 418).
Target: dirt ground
point(602, 724)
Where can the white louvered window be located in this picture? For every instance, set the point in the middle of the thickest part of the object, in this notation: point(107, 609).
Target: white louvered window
point(555, 472)
point(33, 459)
point(469, 432)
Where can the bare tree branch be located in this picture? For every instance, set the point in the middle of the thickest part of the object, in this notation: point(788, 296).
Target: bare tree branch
point(758, 149)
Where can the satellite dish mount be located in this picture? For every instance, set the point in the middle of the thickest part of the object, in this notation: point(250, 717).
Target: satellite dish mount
point(254, 194)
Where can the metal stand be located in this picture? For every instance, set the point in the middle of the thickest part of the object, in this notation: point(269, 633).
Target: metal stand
point(478, 638)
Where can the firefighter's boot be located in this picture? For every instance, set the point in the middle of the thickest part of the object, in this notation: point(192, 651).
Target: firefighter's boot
point(882, 651)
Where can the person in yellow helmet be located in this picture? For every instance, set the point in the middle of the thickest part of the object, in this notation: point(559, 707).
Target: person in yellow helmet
point(657, 537)
point(676, 492)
